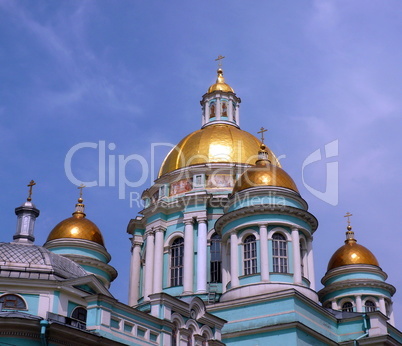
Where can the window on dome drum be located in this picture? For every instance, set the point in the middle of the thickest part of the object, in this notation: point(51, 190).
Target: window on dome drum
point(370, 306)
point(80, 314)
point(216, 259)
point(279, 253)
point(176, 262)
point(302, 252)
point(224, 109)
point(234, 112)
point(347, 307)
point(250, 255)
point(212, 110)
point(12, 302)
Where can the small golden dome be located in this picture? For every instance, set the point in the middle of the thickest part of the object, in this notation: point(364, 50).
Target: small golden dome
point(220, 84)
point(77, 226)
point(264, 174)
point(214, 143)
point(351, 253)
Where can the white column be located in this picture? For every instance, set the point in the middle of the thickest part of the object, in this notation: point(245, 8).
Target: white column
point(158, 259)
point(225, 276)
point(202, 256)
point(297, 278)
point(264, 253)
point(206, 112)
point(135, 267)
point(149, 264)
point(188, 257)
point(218, 110)
point(382, 306)
point(334, 306)
point(234, 263)
point(237, 115)
point(359, 306)
point(310, 263)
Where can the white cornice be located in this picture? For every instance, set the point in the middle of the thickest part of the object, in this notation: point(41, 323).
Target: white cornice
point(267, 209)
point(78, 243)
point(356, 283)
point(352, 269)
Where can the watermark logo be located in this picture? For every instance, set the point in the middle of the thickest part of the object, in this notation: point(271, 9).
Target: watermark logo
point(330, 195)
point(116, 170)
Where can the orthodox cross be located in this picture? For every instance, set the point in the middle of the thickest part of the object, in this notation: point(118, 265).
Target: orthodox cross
point(262, 130)
point(348, 215)
point(81, 187)
point(220, 57)
point(31, 183)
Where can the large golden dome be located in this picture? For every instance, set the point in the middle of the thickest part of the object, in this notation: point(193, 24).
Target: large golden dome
point(220, 84)
point(264, 174)
point(351, 253)
point(77, 227)
point(213, 144)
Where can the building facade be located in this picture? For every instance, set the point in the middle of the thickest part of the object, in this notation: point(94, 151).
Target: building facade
point(222, 253)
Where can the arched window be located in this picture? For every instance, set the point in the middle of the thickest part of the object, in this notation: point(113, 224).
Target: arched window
point(190, 341)
point(12, 302)
point(80, 314)
point(216, 259)
point(369, 306)
point(250, 255)
point(176, 262)
point(205, 339)
point(280, 253)
point(348, 307)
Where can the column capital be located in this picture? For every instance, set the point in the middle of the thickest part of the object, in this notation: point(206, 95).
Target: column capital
point(202, 219)
point(136, 244)
point(294, 228)
point(263, 224)
point(188, 221)
point(148, 233)
point(159, 229)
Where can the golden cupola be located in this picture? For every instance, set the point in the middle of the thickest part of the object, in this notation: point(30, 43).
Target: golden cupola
point(220, 139)
point(217, 143)
point(351, 253)
point(77, 227)
point(264, 173)
point(220, 84)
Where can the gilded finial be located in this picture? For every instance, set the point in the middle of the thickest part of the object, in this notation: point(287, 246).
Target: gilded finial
point(219, 60)
point(350, 235)
point(348, 215)
point(262, 153)
point(80, 207)
point(262, 130)
point(30, 185)
point(80, 200)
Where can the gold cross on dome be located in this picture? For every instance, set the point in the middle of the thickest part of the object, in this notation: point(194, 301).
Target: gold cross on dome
point(348, 215)
point(262, 130)
point(219, 58)
point(31, 183)
point(81, 187)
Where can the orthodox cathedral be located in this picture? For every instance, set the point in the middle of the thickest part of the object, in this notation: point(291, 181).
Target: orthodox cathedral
point(221, 254)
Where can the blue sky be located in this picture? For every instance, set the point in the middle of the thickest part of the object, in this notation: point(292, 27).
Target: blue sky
point(132, 73)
